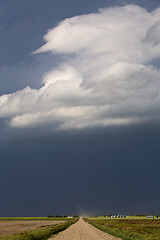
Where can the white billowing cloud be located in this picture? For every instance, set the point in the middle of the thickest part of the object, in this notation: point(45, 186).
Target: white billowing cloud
point(107, 77)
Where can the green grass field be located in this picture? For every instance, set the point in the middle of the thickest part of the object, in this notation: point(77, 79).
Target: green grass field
point(42, 233)
point(134, 228)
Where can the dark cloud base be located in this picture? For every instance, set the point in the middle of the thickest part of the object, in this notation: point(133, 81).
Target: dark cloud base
point(111, 170)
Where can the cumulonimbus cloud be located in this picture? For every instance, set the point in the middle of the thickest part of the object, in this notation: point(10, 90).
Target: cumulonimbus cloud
point(108, 76)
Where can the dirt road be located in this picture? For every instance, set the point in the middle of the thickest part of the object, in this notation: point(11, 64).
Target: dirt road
point(83, 231)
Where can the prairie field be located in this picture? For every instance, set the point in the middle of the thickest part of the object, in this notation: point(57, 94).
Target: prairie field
point(32, 218)
point(129, 228)
point(32, 228)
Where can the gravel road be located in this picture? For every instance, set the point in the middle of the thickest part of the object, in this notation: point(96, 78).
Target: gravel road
point(83, 231)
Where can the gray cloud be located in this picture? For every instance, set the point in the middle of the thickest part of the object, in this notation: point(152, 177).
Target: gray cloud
point(120, 164)
point(153, 34)
point(106, 78)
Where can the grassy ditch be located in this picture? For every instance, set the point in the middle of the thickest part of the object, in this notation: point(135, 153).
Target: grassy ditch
point(42, 233)
point(129, 229)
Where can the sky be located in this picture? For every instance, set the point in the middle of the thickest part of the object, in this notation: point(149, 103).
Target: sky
point(79, 107)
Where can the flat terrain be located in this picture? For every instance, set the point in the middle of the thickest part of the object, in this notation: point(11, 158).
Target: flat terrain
point(83, 231)
point(8, 228)
point(133, 228)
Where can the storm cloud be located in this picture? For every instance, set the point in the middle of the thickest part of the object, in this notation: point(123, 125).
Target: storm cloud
point(107, 77)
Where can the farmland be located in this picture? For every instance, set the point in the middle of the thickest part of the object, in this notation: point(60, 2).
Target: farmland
point(129, 228)
point(32, 228)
